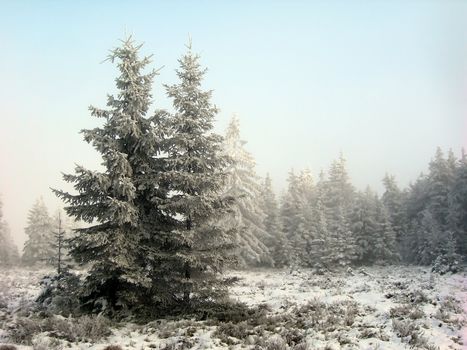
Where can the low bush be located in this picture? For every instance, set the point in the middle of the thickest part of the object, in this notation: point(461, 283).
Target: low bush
point(86, 328)
point(418, 341)
point(404, 328)
point(406, 311)
point(276, 343)
point(8, 347)
point(449, 261)
point(22, 329)
point(59, 294)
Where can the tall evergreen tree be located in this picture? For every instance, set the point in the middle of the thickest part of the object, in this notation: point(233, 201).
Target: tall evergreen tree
point(440, 181)
point(196, 173)
point(429, 237)
point(120, 204)
point(364, 225)
point(414, 204)
point(247, 215)
point(385, 247)
point(290, 206)
point(292, 219)
point(319, 245)
point(277, 243)
point(393, 199)
point(60, 259)
point(338, 203)
point(320, 238)
point(457, 216)
point(339, 190)
point(8, 250)
point(38, 248)
point(430, 210)
point(302, 239)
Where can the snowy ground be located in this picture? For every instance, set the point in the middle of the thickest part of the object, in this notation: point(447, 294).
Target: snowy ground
point(375, 308)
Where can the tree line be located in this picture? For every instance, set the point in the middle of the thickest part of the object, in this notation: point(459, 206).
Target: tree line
point(328, 223)
point(322, 224)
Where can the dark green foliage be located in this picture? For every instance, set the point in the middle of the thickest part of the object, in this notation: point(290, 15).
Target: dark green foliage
point(59, 293)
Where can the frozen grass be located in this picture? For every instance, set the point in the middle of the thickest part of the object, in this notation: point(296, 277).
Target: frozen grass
point(379, 308)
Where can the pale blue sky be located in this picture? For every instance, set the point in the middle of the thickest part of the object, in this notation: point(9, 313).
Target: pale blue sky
point(383, 81)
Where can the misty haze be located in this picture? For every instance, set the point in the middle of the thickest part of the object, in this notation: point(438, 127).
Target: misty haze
point(213, 175)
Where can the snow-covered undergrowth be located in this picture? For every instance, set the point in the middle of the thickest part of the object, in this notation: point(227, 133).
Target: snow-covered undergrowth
point(375, 308)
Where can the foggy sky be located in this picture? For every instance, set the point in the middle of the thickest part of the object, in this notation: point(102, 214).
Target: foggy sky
point(383, 82)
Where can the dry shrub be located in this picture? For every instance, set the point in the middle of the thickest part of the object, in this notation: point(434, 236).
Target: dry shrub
point(113, 347)
point(225, 331)
point(451, 304)
point(8, 347)
point(413, 312)
point(276, 343)
point(22, 329)
point(404, 328)
point(86, 328)
point(302, 346)
point(418, 341)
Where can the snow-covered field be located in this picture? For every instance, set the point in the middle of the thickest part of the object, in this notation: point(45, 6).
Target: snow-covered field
point(376, 308)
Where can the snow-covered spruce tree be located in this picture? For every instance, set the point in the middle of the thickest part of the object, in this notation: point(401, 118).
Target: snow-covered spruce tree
point(429, 209)
point(59, 290)
point(8, 251)
point(429, 238)
point(393, 200)
point(277, 242)
point(290, 206)
point(364, 226)
point(457, 216)
point(372, 230)
point(414, 203)
point(301, 240)
point(385, 242)
point(449, 260)
point(319, 244)
point(440, 182)
point(198, 249)
point(338, 202)
point(247, 213)
point(38, 248)
point(60, 259)
point(290, 214)
point(297, 211)
point(120, 203)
